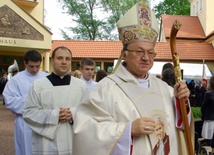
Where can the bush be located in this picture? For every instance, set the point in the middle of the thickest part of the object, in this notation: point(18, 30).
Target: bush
point(196, 112)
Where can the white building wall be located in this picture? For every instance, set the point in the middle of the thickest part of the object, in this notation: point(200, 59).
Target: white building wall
point(204, 10)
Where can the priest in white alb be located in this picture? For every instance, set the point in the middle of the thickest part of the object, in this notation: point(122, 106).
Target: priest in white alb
point(50, 107)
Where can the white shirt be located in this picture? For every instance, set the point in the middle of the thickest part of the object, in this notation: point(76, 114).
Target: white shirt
point(90, 83)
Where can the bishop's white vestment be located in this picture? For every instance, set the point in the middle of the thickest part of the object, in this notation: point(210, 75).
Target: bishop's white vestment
point(104, 114)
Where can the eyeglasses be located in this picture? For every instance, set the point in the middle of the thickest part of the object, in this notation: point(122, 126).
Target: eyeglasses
point(143, 53)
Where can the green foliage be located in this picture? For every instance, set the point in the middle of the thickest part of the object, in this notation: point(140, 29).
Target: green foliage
point(172, 7)
point(117, 8)
point(85, 24)
point(196, 112)
point(94, 19)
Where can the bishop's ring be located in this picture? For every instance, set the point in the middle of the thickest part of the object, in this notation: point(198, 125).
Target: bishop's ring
point(146, 128)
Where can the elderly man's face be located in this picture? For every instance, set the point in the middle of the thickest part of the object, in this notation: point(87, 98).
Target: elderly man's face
point(139, 59)
point(159, 129)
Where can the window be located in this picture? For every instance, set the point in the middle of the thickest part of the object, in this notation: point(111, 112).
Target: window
point(75, 66)
point(108, 66)
point(193, 10)
point(200, 5)
point(196, 8)
point(109, 69)
point(97, 68)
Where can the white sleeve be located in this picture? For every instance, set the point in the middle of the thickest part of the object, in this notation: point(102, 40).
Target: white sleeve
point(13, 97)
point(124, 144)
point(42, 121)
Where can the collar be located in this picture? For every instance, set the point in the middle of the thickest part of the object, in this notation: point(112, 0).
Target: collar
point(89, 81)
point(61, 77)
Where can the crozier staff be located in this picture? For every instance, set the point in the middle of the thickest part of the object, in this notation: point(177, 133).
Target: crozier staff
point(118, 110)
point(182, 102)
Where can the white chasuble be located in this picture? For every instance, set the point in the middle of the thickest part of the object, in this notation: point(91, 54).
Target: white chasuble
point(155, 103)
point(120, 99)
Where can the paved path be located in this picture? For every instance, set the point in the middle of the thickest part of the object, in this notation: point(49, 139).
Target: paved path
point(6, 131)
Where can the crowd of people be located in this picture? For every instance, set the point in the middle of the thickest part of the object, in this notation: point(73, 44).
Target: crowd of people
point(207, 109)
point(32, 125)
point(202, 96)
point(32, 119)
point(129, 112)
point(197, 92)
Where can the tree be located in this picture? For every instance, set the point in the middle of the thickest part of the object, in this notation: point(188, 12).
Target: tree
point(116, 9)
point(94, 19)
point(172, 7)
point(86, 24)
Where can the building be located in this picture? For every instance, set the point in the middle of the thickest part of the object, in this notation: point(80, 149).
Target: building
point(22, 28)
point(195, 39)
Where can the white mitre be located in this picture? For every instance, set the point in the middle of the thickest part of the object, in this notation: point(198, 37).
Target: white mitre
point(138, 24)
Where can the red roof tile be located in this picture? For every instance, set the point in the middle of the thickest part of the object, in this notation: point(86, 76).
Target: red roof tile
point(191, 26)
point(92, 49)
point(187, 51)
point(111, 50)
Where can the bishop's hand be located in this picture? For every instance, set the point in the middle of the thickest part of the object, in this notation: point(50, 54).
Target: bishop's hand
point(143, 126)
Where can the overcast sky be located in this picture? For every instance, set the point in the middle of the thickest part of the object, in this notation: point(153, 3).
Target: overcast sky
point(56, 19)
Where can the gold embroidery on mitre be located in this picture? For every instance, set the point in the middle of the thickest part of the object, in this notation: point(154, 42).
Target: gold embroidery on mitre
point(140, 31)
point(135, 33)
point(144, 14)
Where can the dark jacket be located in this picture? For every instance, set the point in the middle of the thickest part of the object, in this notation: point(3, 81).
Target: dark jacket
point(207, 108)
point(3, 82)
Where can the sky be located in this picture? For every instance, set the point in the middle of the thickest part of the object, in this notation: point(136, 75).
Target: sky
point(56, 19)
